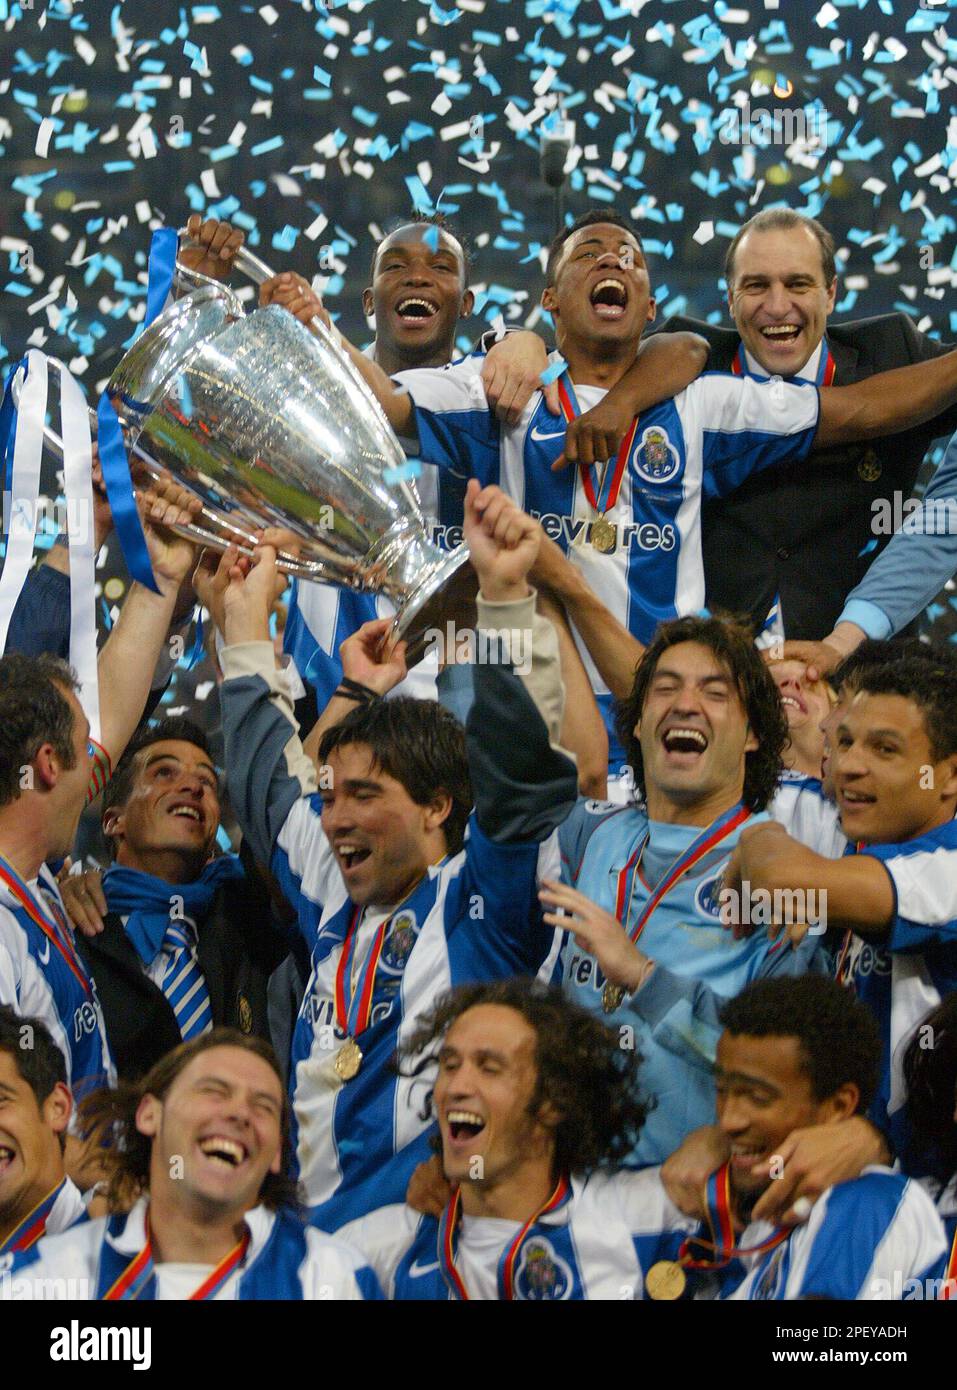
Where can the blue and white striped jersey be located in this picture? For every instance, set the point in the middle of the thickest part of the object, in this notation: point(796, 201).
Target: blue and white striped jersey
point(285, 1260)
point(474, 916)
point(36, 981)
point(876, 1238)
point(702, 443)
point(799, 804)
point(902, 980)
point(672, 1020)
point(598, 1244)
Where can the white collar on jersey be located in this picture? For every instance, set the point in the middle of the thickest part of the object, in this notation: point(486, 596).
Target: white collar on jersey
point(807, 373)
point(130, 1240)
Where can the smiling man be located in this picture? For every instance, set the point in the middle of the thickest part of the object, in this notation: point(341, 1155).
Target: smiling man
point(632, 524)
point(36, 1196)
point(186, 942)
point(803, 533)
point(704, 731)
point(800, 802)
point(796, 1054)
point(894, 766)
point(202, 1146)
point(535, 1103)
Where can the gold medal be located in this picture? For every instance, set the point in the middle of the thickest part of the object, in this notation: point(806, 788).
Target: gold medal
point(348, 1060)
point(603, 535)
point(611, 997)
point(665, 1281)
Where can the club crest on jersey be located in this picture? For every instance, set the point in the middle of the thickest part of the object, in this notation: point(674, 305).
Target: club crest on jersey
point(403, 935)
point(542, 1276)
point(706, 897)
point(656, 458)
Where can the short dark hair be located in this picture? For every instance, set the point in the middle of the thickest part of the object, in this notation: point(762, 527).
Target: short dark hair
point(930, 1073)
point(120, 787)
point(418, 743)
point(38, 1060)
point(927, 683)
point(428, 219)
point(110, 1117)
point(732, 644)
point(33, 711)
point(583, 1072)
point(587, 219)
point(839, 1038)
point(875, 651)
point(783, 220)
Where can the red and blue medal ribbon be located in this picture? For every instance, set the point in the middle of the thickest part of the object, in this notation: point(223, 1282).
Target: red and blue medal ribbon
point(448, 1226)
point(56, 932)
point(352, 1013)
point(721, 1245)
point(137, 1277)
point(33, 1225)
point(571, 410)
point(709, 839)
point(825, 367)
point(949, 1290)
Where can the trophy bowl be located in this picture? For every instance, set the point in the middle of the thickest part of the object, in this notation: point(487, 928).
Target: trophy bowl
point(271, 426)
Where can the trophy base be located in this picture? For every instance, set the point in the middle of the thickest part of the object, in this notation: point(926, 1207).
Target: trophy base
point(447, 597)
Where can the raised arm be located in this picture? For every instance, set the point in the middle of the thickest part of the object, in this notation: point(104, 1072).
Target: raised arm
point(523, 782)
point(611, 646)
point(888, 402)
point(129, 658)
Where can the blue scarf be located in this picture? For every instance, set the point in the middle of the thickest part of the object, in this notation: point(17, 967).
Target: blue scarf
point(148, 900)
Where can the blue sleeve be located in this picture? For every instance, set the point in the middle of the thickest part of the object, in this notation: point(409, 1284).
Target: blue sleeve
point(918, 562)
point(41, 618)
point(369, 1285)
point(465, 442)
point(495, 899)
point(683, 1013)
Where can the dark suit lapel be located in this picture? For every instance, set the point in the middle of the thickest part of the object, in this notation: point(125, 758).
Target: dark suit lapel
point(845, 361)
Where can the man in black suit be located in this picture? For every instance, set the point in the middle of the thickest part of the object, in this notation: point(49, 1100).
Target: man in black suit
point(187, 942)
point(802, 531)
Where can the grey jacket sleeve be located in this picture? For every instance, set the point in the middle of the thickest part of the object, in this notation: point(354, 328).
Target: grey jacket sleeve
point(267, 771)
point(524, 784)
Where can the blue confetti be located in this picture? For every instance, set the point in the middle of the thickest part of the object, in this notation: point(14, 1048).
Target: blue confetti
point(410, 469)
point(553, 371)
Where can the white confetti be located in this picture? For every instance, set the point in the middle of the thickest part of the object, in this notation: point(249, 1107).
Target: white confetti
point(148, 144)
point(704, 234)
point(315, 228)
point(825, 15)
point(208, 179)
point(44, 134)
point(269, 14)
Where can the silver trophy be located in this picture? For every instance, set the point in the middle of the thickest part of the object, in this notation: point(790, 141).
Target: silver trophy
point(272, 426)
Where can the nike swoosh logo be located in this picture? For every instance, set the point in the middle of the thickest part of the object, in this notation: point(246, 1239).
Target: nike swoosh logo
point(416, 1271)
point(537, 434)
point(44, 959)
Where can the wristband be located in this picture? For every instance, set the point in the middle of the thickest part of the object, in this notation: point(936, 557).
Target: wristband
point(355, 690)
